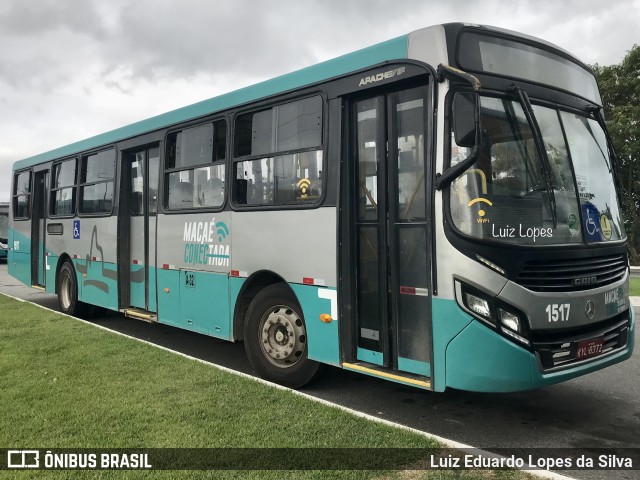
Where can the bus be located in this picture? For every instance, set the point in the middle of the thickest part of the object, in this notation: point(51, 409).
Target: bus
point(4, 229)
point(439, 210)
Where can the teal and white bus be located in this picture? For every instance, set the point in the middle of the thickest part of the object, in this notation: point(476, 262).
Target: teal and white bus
point(438, 210)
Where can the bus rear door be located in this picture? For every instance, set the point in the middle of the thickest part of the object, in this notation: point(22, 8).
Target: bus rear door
point(137, 232)
point(38, 228)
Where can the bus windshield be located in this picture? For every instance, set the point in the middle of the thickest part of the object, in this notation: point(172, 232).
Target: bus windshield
point(503, 196)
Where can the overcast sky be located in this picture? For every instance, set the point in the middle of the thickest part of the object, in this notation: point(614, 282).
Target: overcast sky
point(70, 69)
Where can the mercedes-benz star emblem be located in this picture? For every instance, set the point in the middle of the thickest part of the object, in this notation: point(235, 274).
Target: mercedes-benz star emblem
point(590, 309)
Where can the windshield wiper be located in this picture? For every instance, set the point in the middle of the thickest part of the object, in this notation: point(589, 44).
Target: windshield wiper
point(596, 111)
point(542, 151)
point(593, 136)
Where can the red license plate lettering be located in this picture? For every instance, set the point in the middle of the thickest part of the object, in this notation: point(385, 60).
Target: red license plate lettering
point(589, 348)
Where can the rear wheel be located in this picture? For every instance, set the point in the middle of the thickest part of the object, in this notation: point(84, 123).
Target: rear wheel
point(68, 293)
point(275, 338)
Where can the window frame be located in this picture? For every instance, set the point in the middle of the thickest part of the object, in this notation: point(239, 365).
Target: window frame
point(322, 147)
point(81, 185)
point(130, 193)
point(271, 106)
point(165, 172)
point(74, 187)
point(15, 195)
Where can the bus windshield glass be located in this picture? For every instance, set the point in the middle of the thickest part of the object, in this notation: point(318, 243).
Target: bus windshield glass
point(500, 56)
point(503, 196)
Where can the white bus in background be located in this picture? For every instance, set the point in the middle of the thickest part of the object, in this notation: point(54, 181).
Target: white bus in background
point(4, 230)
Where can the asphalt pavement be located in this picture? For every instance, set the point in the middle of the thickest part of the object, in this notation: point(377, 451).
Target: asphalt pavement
point(595, 411)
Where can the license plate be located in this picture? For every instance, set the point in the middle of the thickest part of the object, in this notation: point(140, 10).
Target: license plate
point(589, 348)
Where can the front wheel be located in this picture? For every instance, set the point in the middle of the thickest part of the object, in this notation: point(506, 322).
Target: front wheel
point(275, 338)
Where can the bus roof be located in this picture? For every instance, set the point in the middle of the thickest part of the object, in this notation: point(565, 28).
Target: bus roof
point(395, 48)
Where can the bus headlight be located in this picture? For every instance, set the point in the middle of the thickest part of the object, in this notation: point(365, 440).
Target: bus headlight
point(511, 325)
point(509, 320)
point(494, 312)
point(478, 305)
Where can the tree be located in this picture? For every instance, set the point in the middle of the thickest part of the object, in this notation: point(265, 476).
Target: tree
point(620, 90)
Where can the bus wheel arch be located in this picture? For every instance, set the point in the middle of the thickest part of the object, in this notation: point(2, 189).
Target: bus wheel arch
point(250, 288)
point(274, 335)
point(62, 259)
point(67, 289)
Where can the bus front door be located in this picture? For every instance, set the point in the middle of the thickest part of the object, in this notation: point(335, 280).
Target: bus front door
point(390, 261)
point(38, 229)
point(138, 228)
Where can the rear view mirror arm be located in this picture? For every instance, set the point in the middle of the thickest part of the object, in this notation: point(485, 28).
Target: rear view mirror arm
point(445, 179)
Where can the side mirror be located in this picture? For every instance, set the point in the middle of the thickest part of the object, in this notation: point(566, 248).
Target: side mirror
point(466, 130)
point(466, 106)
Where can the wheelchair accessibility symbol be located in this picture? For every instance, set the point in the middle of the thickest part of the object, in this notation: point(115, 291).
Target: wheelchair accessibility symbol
point(76, 229)
point(590, 224)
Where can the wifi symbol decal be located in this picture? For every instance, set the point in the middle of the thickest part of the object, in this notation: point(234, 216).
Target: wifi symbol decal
point(222, 230)
point(304, 185)
point(480, 199)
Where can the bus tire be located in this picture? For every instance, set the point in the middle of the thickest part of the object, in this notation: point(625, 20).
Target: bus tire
point(275, 338)
point(67, 287)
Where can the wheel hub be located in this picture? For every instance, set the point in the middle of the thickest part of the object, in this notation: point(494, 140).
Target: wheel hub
point(282, 336)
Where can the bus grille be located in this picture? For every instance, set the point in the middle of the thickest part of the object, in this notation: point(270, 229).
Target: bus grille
point(560, 352)
point(572, 275)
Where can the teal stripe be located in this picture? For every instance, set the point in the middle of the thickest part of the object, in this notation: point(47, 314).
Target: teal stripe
point(322, 338)
point(448, 321)
point(370, 356)
point(19, 261)
point(414, 366)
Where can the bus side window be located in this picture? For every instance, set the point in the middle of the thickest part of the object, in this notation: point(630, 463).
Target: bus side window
point(21, 195)
point(213, 193)
point(181, 195)
point(284, 143)
point(195, 169)
point(241, 191)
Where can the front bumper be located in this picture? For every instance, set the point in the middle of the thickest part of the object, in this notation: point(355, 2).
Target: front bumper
point(478, 359)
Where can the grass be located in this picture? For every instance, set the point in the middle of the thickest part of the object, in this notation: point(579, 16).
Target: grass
point(69, 385)
point(634, 287)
